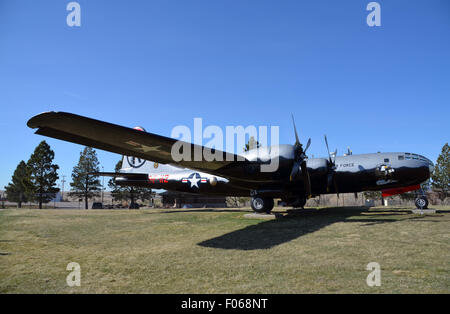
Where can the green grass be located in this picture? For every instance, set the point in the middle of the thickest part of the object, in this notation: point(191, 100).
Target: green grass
point(220, 251)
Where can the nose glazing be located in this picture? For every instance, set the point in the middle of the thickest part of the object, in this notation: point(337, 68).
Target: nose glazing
point(430, 167)
point(426, 163)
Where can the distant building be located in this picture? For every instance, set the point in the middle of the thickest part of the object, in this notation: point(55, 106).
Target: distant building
point(57, 198)
point(181, 199)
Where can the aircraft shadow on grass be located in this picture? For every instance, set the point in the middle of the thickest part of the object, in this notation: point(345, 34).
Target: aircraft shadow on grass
point(207, 210)
point(268, 234)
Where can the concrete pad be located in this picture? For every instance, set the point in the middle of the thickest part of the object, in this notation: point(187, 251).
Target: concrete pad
point(263, 216)
point(424, 211)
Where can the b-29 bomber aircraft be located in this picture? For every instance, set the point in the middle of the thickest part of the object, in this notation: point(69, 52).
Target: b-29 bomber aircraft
point(148, 162)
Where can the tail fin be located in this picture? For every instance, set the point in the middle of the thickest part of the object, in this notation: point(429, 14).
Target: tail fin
point(135, 165)
point(131, 164)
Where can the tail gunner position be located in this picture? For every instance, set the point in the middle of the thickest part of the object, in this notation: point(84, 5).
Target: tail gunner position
point(148, 162)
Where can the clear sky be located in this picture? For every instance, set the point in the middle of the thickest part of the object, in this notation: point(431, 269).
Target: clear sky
point(161, 63)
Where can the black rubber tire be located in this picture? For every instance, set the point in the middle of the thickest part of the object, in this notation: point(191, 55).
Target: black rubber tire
point(262, 204)
point(421, 202)
point(257, 204)
point(269, 205)
point(299, 203)
point(303, 202)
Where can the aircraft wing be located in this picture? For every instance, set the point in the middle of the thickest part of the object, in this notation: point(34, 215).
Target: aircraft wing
point(121, 140)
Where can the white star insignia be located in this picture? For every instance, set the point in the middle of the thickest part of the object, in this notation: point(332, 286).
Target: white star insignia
point(194, 181)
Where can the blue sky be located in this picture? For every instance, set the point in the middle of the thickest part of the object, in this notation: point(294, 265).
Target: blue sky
point(250, 62)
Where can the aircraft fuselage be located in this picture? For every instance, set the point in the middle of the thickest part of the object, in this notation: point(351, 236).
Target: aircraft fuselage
point(353, 173)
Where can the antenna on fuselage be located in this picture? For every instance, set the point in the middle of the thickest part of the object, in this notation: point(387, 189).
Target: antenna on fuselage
point(349, 151)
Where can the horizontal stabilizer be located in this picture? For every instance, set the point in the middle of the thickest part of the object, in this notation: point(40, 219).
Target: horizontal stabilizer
point(130, 176)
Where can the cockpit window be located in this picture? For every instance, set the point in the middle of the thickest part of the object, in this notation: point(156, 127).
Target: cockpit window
point(400, 157)
point(409, 156)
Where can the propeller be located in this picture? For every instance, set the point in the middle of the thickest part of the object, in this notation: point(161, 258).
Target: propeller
point(300, 161)
point(331, 177)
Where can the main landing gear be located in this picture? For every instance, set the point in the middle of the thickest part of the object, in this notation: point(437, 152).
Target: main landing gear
point(262, 204)
point(299, 202)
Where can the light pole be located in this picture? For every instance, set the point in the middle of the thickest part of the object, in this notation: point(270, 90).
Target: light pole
point(62, 191)
point(54, 200)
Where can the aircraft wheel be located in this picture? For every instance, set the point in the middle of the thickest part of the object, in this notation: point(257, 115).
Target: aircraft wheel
point(300, 202)
point(421, 202)
point(262, 204)
point(270, 204)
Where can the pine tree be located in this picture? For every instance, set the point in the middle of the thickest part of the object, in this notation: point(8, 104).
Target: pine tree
point(83, 183)
point(118, 193)
point(251, 144)
point(19, 188)
point(43, 174)
point(441, 173)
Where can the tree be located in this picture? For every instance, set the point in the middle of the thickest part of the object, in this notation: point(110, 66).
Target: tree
point(372, 195)
point(411, 196)
point(19, 188)
point(117, 192)
point(237, 201)
point(125, 193)
point(441, 173)
point(83, 183)
point(408, 196)
point(252, 144)
point(43, 174)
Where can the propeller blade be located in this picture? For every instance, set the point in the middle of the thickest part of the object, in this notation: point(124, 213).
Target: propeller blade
point(300, 161)
point(326, 143)
point(335, 186)
point(328, 149)
point(331, 178)
point(297, 141)
point(306, 179)
point(329, 181)
point(307, 145)
point(294, 171)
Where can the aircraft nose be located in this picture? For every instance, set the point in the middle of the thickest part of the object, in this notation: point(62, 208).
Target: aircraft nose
point(426, 164)
point(430, 167)
point(417, 168)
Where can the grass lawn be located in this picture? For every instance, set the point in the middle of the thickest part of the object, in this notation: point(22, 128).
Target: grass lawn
point(219, 251)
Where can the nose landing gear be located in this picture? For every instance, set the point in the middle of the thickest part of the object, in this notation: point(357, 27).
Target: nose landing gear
point(421, 202)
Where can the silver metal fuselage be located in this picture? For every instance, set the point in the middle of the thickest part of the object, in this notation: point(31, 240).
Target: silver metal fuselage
point(353, 173)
